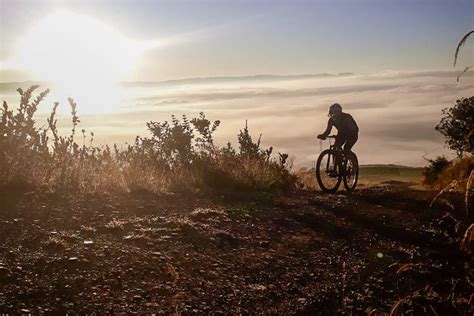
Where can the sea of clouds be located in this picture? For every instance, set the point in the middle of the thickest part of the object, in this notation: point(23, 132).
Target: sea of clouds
point(396, 111)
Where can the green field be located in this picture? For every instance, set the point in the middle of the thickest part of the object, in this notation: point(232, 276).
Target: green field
point(387, 174)
point(371, 175)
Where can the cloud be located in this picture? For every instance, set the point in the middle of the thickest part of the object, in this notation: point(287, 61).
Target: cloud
point(396, 111)
point(405, 131)
point(209, 95)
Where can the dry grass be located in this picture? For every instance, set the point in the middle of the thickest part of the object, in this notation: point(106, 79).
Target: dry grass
point(458, 176)
point(179, 156)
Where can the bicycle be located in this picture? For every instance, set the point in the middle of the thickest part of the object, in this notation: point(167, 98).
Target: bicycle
point(335, 166)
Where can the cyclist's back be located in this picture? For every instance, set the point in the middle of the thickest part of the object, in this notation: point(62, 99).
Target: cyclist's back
point(345, 124)
point(347, 129)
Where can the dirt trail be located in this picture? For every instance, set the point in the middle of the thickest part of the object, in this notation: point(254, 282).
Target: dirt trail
point(307, 252)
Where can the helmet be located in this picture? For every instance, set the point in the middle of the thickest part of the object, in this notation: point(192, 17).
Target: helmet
point(336, 108)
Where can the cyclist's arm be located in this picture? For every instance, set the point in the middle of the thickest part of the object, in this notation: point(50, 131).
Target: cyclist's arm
point(328, 129)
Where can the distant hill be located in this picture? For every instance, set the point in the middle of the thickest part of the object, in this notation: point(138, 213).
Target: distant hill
point(388, 166)
point(377, 173)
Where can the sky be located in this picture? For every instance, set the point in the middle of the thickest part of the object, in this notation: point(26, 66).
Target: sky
point(390, 65)
point(235, 38)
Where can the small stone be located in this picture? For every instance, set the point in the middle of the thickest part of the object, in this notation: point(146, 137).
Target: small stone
point(4, 273)
point(88, 242)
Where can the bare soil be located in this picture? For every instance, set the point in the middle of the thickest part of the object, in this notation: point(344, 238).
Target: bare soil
point(372, 251)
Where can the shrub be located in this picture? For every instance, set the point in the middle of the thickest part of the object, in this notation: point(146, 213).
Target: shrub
point(432, 172)
point(179, 155)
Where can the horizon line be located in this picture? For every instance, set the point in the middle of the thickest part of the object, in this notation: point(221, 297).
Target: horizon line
point(267, 76)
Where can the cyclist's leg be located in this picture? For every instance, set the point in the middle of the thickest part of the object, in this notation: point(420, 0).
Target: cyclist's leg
point(340, 140)
point(350, 142)
point(339, 143)
point(348, 146)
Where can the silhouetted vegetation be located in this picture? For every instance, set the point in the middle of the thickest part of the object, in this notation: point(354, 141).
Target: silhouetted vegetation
point(432, 172)
point(180, 155)
point(457, 125)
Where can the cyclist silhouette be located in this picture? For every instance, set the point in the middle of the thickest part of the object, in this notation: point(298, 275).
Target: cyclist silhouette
point(347, 129)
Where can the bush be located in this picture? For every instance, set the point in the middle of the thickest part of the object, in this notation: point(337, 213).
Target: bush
point(432, 172)
point(178, 156)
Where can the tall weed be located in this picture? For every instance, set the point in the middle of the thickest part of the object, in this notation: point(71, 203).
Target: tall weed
point(179, 155)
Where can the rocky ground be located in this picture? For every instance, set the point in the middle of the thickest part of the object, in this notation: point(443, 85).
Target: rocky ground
point(376, 250)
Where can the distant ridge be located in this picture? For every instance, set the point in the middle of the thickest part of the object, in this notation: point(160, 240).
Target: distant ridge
point(233, 79)
point(388, 166)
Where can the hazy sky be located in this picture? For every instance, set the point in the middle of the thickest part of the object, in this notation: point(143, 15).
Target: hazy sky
point(226, 38)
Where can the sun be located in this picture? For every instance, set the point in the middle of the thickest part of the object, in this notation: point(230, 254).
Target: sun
point(80, 56)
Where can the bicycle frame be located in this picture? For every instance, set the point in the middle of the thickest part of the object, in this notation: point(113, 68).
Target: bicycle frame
point(339, 152)
point(340, 160)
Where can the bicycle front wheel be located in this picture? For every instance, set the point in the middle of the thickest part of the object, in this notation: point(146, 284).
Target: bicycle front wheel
point(351, 172)
point(327, 172)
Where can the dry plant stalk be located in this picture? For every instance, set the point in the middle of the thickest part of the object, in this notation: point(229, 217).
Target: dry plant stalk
point(468, 240)
point(462, 73)
point(397, 308)
point(453, 184)
point(470, 180)
point(460, 44)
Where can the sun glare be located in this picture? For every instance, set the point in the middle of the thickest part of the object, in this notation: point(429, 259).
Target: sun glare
point(80, 56)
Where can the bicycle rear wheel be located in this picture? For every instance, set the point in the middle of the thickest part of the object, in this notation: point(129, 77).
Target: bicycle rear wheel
point(327, 172)
point(351, 172)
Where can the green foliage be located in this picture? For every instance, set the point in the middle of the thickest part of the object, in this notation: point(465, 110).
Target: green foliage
point(436, 167)
point(179, 155)
point(457, 125)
